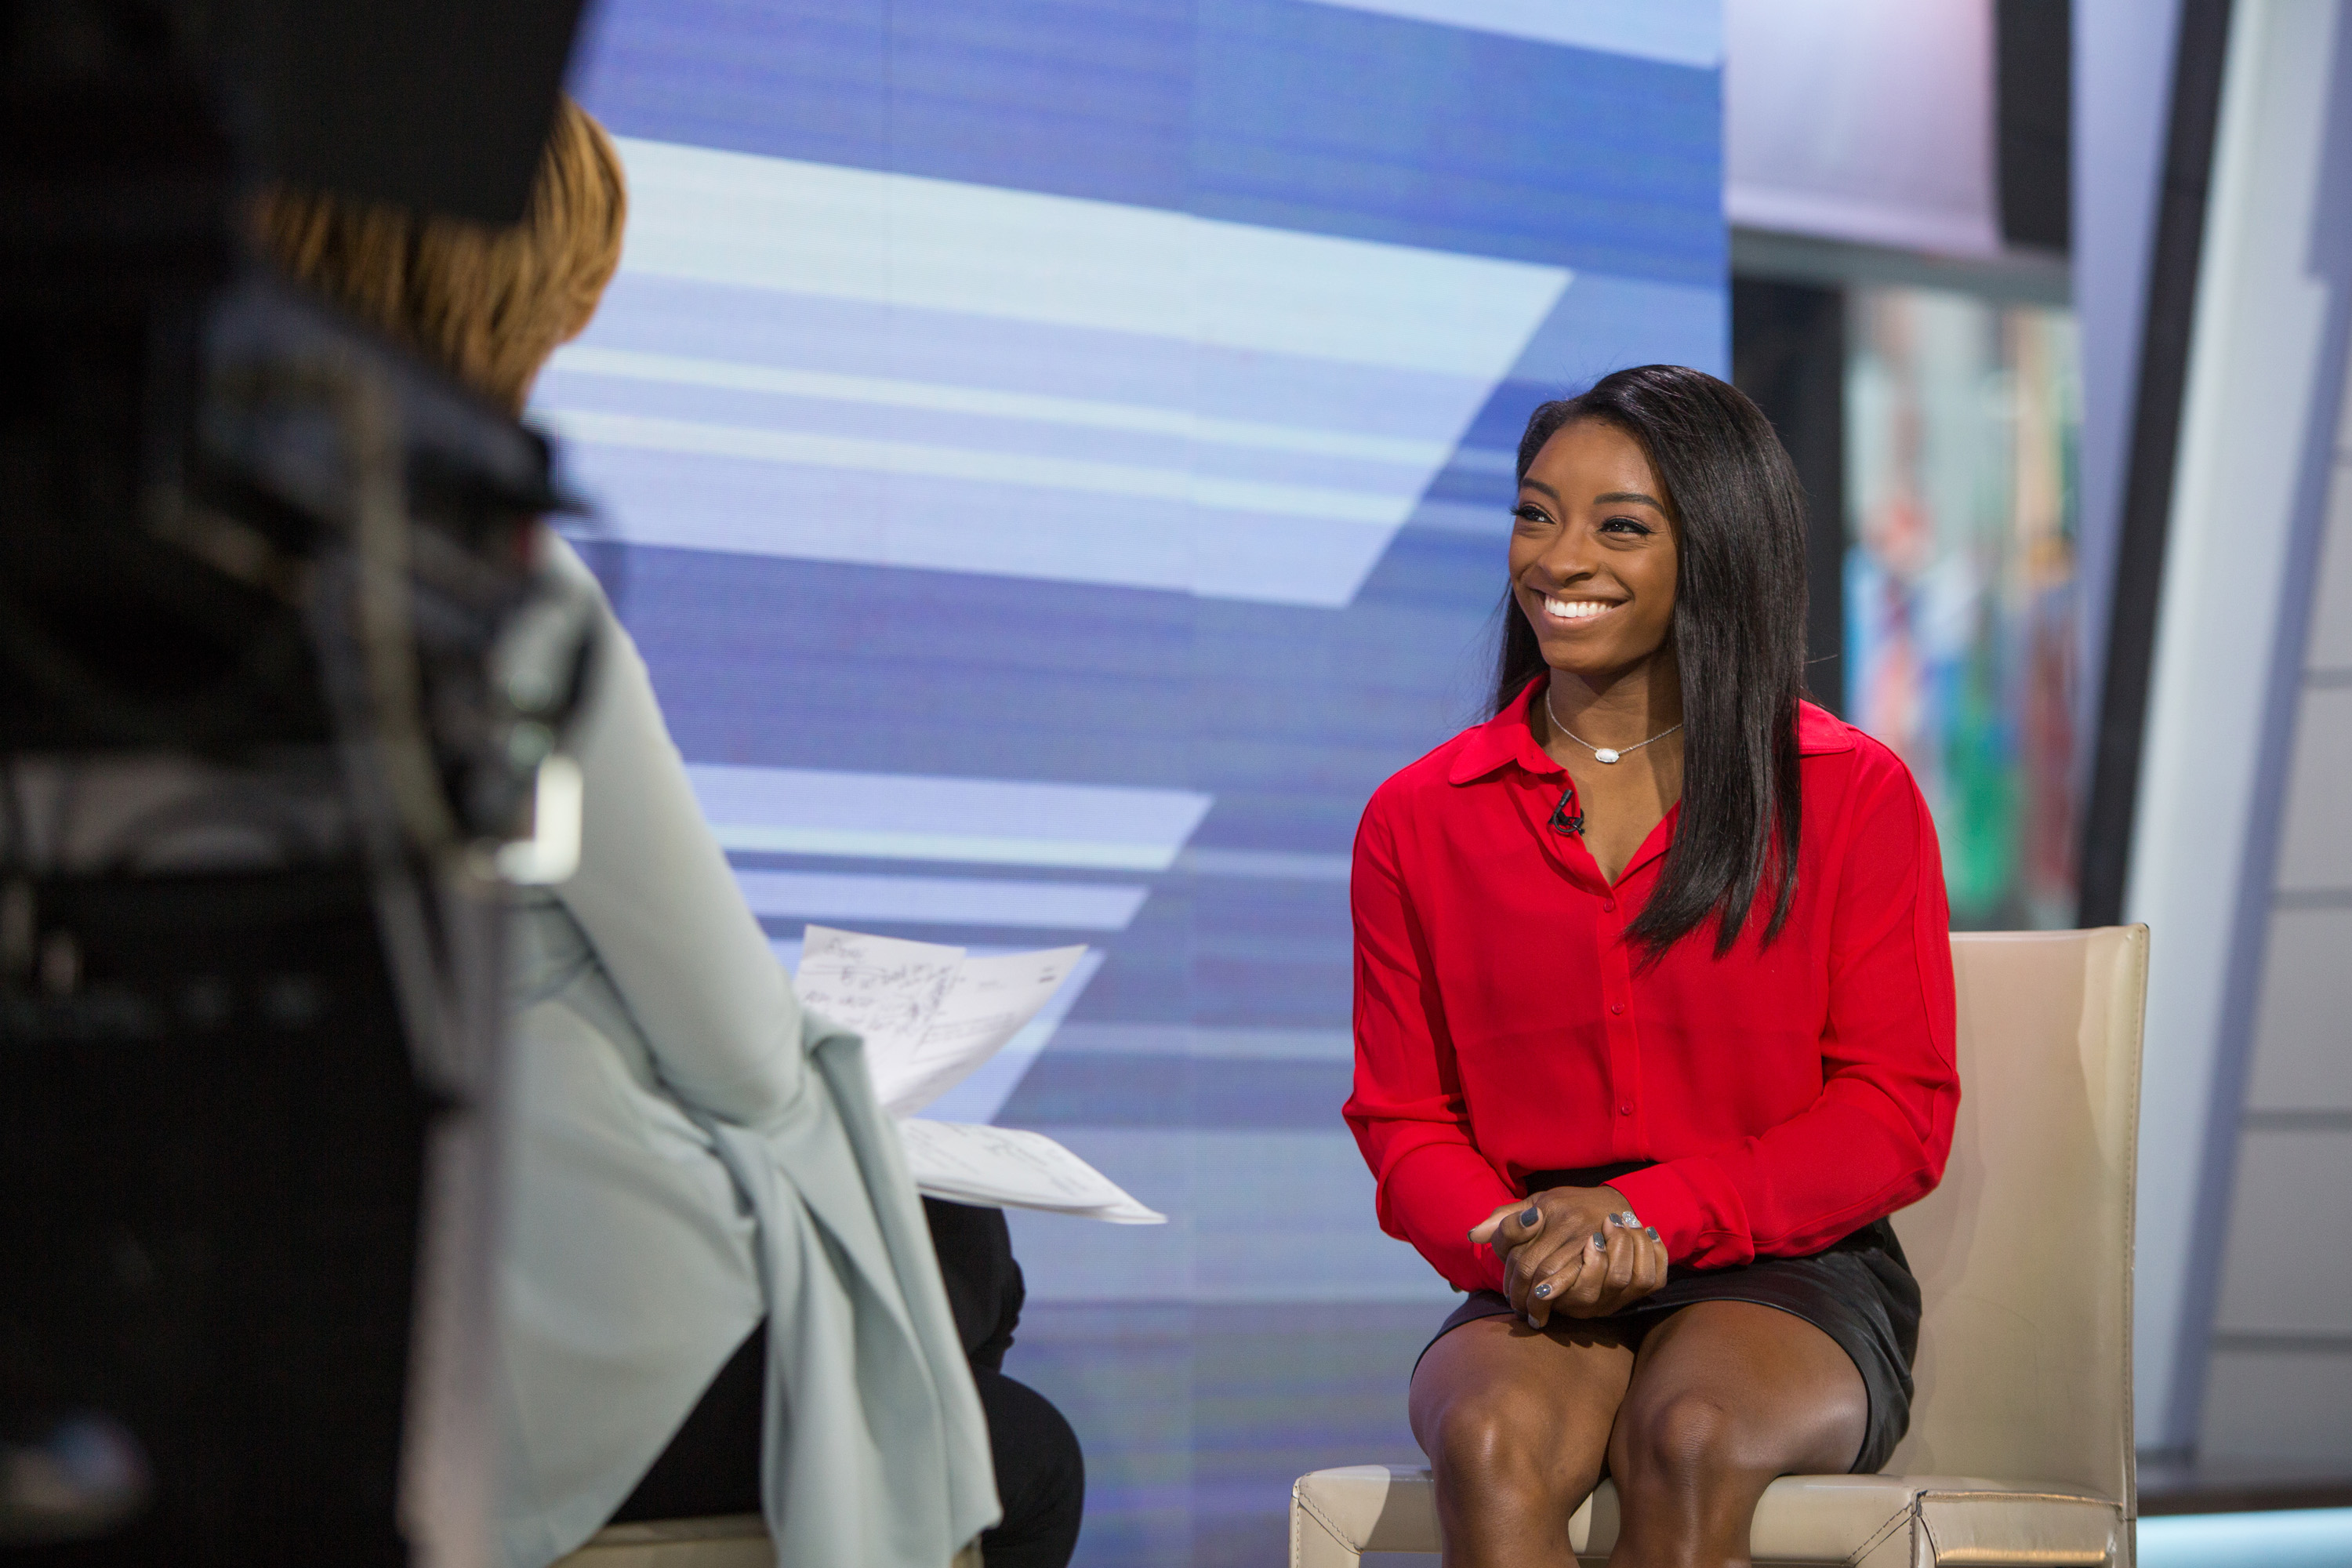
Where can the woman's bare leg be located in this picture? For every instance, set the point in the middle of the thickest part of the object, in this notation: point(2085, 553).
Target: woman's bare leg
point(1516, 1423)
point(1726, 1396)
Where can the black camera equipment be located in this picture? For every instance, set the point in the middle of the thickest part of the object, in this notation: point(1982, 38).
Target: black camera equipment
point(281, 698)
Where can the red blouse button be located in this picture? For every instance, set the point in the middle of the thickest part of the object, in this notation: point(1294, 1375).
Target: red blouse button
point(1626, 1109)
point(1616, 1006)
point(1609, 906)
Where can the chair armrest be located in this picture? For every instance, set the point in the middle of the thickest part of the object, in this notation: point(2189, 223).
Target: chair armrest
point(724, 1541)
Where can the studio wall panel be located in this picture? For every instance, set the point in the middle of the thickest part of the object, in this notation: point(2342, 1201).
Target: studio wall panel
point(2279, 1403)
point(2316, 851)
point(2331, 611)
point(2302, 1038)
point(2287, 1268)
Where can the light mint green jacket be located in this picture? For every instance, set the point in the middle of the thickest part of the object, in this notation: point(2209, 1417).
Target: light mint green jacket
point(687, 1152)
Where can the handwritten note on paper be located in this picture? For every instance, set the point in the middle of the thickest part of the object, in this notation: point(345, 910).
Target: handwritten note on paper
point(1003, 1165)
point(930, 1014)
point(985, 1006)
point(885, 989)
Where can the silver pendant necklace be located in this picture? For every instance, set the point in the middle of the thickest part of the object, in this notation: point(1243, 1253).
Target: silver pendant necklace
point(1600, 753)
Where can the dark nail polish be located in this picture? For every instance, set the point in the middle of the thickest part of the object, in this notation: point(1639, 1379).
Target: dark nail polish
point(1529, 1217)
point(1599, 1242)
point(1650, 1231)
point(1542, 1291)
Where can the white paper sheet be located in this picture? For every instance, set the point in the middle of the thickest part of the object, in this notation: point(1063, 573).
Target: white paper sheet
point(930, 1014)
point(1005, 1166)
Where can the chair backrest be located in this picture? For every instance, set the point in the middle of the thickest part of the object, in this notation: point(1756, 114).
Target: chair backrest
point(2024, 1253)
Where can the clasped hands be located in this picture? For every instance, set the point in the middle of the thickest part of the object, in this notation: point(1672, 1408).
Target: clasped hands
point(1577, 1251)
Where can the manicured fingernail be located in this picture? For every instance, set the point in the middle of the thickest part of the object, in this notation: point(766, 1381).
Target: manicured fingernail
point(1650, 1231)
point(1542, 1290)
point(1628, 1220)
point(1529, 1217)
point(1472, 1232)
point(1599, 1242)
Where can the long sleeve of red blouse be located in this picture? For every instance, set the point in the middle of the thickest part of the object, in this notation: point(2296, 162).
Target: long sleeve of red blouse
point(1407, 1112)
point(1779, 1097)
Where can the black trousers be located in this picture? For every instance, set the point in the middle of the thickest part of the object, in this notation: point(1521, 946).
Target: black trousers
point(712, 1465)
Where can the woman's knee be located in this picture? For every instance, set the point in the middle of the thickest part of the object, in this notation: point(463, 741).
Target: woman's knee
point(1503, 1445)
point(1682, 1440)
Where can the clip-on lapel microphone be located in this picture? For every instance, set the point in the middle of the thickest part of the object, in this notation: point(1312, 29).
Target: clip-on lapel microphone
point(1560, 821)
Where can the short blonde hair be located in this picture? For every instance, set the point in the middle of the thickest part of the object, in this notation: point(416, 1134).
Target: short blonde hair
point(488, 305)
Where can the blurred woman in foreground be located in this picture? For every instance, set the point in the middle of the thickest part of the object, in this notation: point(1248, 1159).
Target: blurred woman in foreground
point(717, 1287)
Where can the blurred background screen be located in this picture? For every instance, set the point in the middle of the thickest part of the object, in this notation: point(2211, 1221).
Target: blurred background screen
point(1962, 608)
point(1057, 458)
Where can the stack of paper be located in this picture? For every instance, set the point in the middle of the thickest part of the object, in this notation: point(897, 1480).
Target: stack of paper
point(971, 1164)
point(930, 1014)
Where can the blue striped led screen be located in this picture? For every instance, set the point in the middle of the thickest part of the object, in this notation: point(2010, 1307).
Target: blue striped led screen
point(1059, 453)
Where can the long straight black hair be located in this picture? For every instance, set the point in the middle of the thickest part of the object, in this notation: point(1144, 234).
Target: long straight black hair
point(1739, 635)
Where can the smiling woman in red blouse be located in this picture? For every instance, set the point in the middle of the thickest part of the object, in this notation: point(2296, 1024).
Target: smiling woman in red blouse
point(1653, 1011)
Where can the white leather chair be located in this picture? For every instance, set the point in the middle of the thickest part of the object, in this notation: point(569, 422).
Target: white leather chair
point(2020, 1443)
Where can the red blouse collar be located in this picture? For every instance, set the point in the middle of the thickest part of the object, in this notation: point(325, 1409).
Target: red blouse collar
point(1507, 737)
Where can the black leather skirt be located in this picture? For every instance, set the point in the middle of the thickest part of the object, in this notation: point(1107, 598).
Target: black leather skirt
point(1858, 1290)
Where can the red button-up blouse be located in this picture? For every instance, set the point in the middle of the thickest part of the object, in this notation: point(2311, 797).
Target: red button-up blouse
point(1788, 1094)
